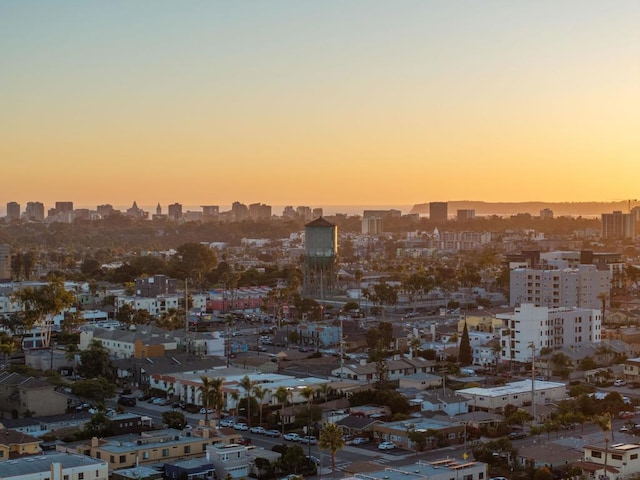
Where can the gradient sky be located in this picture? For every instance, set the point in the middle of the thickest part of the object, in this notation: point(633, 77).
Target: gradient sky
point(319, 102)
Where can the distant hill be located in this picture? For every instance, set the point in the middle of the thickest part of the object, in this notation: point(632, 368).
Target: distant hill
point(585, 209)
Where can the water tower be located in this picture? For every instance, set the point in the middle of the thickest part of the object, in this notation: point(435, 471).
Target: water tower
point(320, 257)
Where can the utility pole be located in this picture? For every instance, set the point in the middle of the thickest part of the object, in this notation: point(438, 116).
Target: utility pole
point(533, 380)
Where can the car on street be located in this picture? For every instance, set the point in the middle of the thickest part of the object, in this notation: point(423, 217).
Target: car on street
point(259, 430)
point(241, 426)
point(360, 441)
point(308, 440)
point(315, 460)
point(619, 383)
point(227, 423)
point(272, 433)
point(386, 446)
point(292, 437)
point(208, 411)
point(626, 415)
point(517, 435)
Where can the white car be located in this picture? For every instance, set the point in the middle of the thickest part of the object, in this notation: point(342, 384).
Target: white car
point(227, 423)
point(241, 426)
point(386, 446)
point(619, 383)
point(260, 430)
point(292, 437)
point(360, 441)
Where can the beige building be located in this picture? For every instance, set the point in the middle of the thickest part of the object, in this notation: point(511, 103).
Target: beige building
point(28, 396)
point(54, 465)
point(16, 444)
point(622, 460)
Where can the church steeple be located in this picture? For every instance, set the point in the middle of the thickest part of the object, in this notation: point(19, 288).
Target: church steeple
point(158, 209)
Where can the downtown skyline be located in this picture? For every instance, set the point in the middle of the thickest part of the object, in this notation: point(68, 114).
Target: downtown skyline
point(319, 104)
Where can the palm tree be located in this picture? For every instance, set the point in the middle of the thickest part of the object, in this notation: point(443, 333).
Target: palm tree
point(217, 397)
point(331, 439)
point(324, 389)
point(206, 395)
point(260, 392)
point(247, 384)
point(604, 422)
point(282, 395)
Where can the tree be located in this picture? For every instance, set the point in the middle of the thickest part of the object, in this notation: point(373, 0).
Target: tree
point(282, 394)
point(543, 473)
point(99, 425)
point(207, 395)
point(94, 390)
point(41, 304)
point(331, 439)
point(418, 438)
point(174, 419)
point(260, 392)
point(95, 362)
point(465, 355)
point(193, 260)
point(247, 385)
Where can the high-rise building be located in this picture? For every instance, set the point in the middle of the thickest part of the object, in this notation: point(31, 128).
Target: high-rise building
point(239, 211)
point(546, 213)
point(13, 211)
point(210, 212)
point(465, 215)
point(438, 211)
point(175, 211)
point(105, 210)
point(618, 225)
point(5, 263)
point(34, 211)
point(62, 207)
point(259, 211)
point(321, 254)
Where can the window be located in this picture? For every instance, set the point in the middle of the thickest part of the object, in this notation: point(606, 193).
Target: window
point(595, 454)
point(145, 455)
point(616, 457)
point(165, 452)
point(81, 476)
point(98, 455)
point(97, 473)
point(123, 458)
point(634, 456)
point(112, 459)
point(480, 475)
point(187, 449)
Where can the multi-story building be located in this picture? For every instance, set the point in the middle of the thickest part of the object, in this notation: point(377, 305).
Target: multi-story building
point(622, 460)
point(438, 211)
point(156, 285)
point(24, 396)
point(546, 213)
point(210, 212)
point(447, 469)
point(13, 211)
point(105, 210)
point(34, 212)
point(465, 215)
point(55, 465)
point(494, 399)
point(239, 211)
point(618, 225)
point(321, 253)
point(175, 211)
point(5, 264)
point(62, 207)
point(558, 285)
point(259, 211)
point(531, 328)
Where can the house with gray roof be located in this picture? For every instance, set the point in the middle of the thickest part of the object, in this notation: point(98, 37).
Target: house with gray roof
point(54, 465)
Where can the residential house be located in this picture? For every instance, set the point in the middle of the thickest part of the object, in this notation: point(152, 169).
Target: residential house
point(444, 433)
point(23, 396)
point(421, 470)
point(229, 460)
point(447, 401)
point(16, 444)
point(622, 460)
point(519, 394)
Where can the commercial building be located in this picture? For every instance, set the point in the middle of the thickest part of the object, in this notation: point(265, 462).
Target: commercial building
point(175, 212)
point(448, 469)
point(5, 264)
point(618, 225)
point(438, 211)
point(13, 211)
point(34, 212)
point(465, 215)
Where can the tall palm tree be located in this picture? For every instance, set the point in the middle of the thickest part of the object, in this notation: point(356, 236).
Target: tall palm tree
point(282, 395)
point(331, 439)
point(324, 389)
point(206, 395)
point(247, 384)
point(217, 396)
point(260, 392)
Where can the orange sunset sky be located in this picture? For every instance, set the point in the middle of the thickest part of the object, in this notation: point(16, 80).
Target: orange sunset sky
point(319, 103)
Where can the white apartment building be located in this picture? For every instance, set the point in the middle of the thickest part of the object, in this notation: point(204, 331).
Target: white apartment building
point(56, 466)
point(543, 327)
point(622, 460)
point(560, 286)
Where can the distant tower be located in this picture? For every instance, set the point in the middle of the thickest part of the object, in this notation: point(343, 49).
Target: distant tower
point(438, 211)
point(13, 211)
point(158, 209)
point(5, 262)
point(320, 257)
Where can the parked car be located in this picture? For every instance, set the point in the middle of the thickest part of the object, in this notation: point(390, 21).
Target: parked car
point(292, 437)
point(360, 441)
point(619, 383)
point(308, 440)
point(315, 460)
point(227, 423)
point(272, 433)
point(386, 446)
point(241, 426)
point(518, 434)
point(626, 415)
point(206, 411)
point(260, 430)
point(244, 441)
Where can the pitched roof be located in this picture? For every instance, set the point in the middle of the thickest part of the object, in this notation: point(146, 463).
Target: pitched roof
point(319, 222)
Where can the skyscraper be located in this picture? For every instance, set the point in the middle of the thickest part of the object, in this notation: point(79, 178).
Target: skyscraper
point(13, 211)
point(438, 211)
point(618, 225)
point(321, 254)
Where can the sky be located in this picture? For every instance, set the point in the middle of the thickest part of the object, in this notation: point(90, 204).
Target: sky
point(318, 103)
